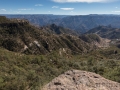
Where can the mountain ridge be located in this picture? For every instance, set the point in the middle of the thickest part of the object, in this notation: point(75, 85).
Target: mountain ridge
point(106, 32)
point(21, 36)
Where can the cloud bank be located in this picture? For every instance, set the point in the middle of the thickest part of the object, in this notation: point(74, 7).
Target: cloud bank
point(67, 8)
point(87, 1)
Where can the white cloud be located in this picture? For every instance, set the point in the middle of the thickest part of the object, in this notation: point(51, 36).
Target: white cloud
point(55, 6)
point(116, 11)
point(116, 7)
point(88, 1)
point(38, 5)
point(25, 9)
point(67, 8)
point(3, 9)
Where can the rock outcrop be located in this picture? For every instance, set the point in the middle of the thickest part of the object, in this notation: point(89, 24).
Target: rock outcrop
point(81, 80)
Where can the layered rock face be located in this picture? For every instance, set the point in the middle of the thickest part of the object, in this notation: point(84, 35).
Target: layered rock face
point(81, 80)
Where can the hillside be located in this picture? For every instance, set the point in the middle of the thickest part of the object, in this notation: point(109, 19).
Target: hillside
point(106, 32)
point(96, 40)
point(30, 56)
point(80, 23)
point(20, 36)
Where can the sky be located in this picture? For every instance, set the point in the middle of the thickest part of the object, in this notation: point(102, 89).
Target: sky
point(60, 7)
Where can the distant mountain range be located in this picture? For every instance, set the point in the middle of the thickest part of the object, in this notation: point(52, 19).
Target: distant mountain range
point(79, 23)
point(37, 19)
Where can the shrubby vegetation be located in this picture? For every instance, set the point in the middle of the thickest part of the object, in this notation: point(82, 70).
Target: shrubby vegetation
point(22, 72)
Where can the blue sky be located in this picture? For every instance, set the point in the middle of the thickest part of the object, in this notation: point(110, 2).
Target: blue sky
point(60, 7)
